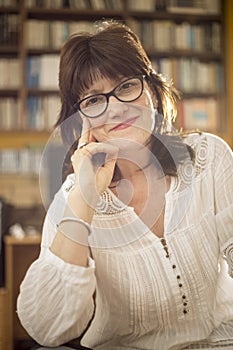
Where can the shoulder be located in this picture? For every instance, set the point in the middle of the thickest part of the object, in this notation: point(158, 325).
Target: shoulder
point(208, 146)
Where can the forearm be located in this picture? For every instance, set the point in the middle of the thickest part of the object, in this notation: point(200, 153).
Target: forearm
point(70, 251)
point(74, 251)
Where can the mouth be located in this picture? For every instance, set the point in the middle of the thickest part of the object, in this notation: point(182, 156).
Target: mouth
point(126, 124)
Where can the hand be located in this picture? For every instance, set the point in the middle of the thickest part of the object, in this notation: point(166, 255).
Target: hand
point(92, 180)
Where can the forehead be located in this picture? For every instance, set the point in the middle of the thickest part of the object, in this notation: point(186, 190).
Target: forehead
point(102, 84)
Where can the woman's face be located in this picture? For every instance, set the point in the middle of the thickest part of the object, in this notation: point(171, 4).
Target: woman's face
point(133, 121)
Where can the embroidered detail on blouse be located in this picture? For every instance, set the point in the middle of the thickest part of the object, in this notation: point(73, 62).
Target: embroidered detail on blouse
point(109, 205)
point(228, 254)
point(201, 156)
point(188, 171)
point(69, 185)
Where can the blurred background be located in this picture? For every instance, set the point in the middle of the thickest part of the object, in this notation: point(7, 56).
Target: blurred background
point(188, 41)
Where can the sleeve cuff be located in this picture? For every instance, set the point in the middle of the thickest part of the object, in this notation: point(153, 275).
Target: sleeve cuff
point(69, 271)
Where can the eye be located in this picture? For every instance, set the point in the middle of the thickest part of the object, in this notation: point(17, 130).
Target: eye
point(93, 100)
point(128, 86)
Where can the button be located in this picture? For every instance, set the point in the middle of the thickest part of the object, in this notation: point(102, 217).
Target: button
point(180, 285)
point(174, 266)
point(183, 296)
point(178, 277)
point(185, 311)
point(185, 304)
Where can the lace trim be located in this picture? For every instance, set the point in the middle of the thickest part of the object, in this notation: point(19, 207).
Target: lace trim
point(109, 205)
point(228, 255)
point(188, 171)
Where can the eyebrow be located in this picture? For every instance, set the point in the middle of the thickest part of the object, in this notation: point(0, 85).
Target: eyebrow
point(99, 91)
point(93, 92)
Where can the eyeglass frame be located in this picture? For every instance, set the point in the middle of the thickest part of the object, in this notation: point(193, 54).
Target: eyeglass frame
point(109, 94)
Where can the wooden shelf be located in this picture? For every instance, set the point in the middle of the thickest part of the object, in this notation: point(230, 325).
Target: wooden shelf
point(20, 190)
point(9, 9)
point(196, 94)
point(42, 92)
point(202, 56)
point(82, 14)
point(9, 92)
point(27, 240)
point(173, 16)
point(42, 51)
point(67, 14)
point(23, 138)
point(8, 51)
point(19, 253)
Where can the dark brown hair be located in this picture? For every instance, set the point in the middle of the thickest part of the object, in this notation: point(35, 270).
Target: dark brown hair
point(114, 50)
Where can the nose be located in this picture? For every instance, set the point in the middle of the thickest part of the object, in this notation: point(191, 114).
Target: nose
point(116, 108)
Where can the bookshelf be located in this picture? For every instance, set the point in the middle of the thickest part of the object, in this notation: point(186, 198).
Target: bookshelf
point(29, 103)
point(184, 44)
point(189, 45)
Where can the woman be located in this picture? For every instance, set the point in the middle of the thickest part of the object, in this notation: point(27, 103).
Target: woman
point(134, 244)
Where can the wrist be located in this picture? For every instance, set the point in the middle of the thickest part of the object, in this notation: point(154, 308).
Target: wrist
point(77, 230)
point(80, 206)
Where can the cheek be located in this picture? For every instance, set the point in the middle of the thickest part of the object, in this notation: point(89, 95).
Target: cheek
point(98, 122)
point(149, 99)
point(147, 112)
point(99, 133)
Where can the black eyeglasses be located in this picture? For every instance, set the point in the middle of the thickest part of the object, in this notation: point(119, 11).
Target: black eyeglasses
point(128, 90)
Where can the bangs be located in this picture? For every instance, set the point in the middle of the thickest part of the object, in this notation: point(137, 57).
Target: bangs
point(97, 68)
point(112, 62)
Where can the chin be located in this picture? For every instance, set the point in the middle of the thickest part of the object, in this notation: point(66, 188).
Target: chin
point(131, 142)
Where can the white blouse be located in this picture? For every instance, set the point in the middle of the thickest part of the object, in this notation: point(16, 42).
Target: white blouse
point(150, 293)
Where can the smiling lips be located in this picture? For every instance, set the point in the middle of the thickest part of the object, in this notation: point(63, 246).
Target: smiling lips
point(127, 123)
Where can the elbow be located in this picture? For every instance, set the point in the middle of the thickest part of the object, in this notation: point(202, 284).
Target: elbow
point(53, 331)
point(36, 330)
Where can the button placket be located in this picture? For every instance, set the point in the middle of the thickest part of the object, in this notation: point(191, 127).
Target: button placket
point(178, 276)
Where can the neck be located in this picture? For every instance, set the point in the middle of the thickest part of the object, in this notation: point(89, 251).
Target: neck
point(131, 161)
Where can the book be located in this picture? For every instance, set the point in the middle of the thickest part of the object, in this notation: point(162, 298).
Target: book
point(138, 5)
point(49, 68)
point(20, 161)
point(194, 6)
point(191, 75)
point(9, 113)
point(199, 113)
point(42, 112)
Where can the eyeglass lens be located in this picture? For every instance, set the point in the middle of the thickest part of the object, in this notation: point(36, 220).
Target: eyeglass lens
point(128, 91)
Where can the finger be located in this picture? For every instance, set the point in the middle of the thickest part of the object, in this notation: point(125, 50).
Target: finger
point(85, 135)
point(102, 147)
point(110, 165)
point(86, 126)
point(108, 173)
point(112, 156)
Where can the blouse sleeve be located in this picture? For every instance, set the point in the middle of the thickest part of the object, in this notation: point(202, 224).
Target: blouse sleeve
point(55, 304)
point(224, 199)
